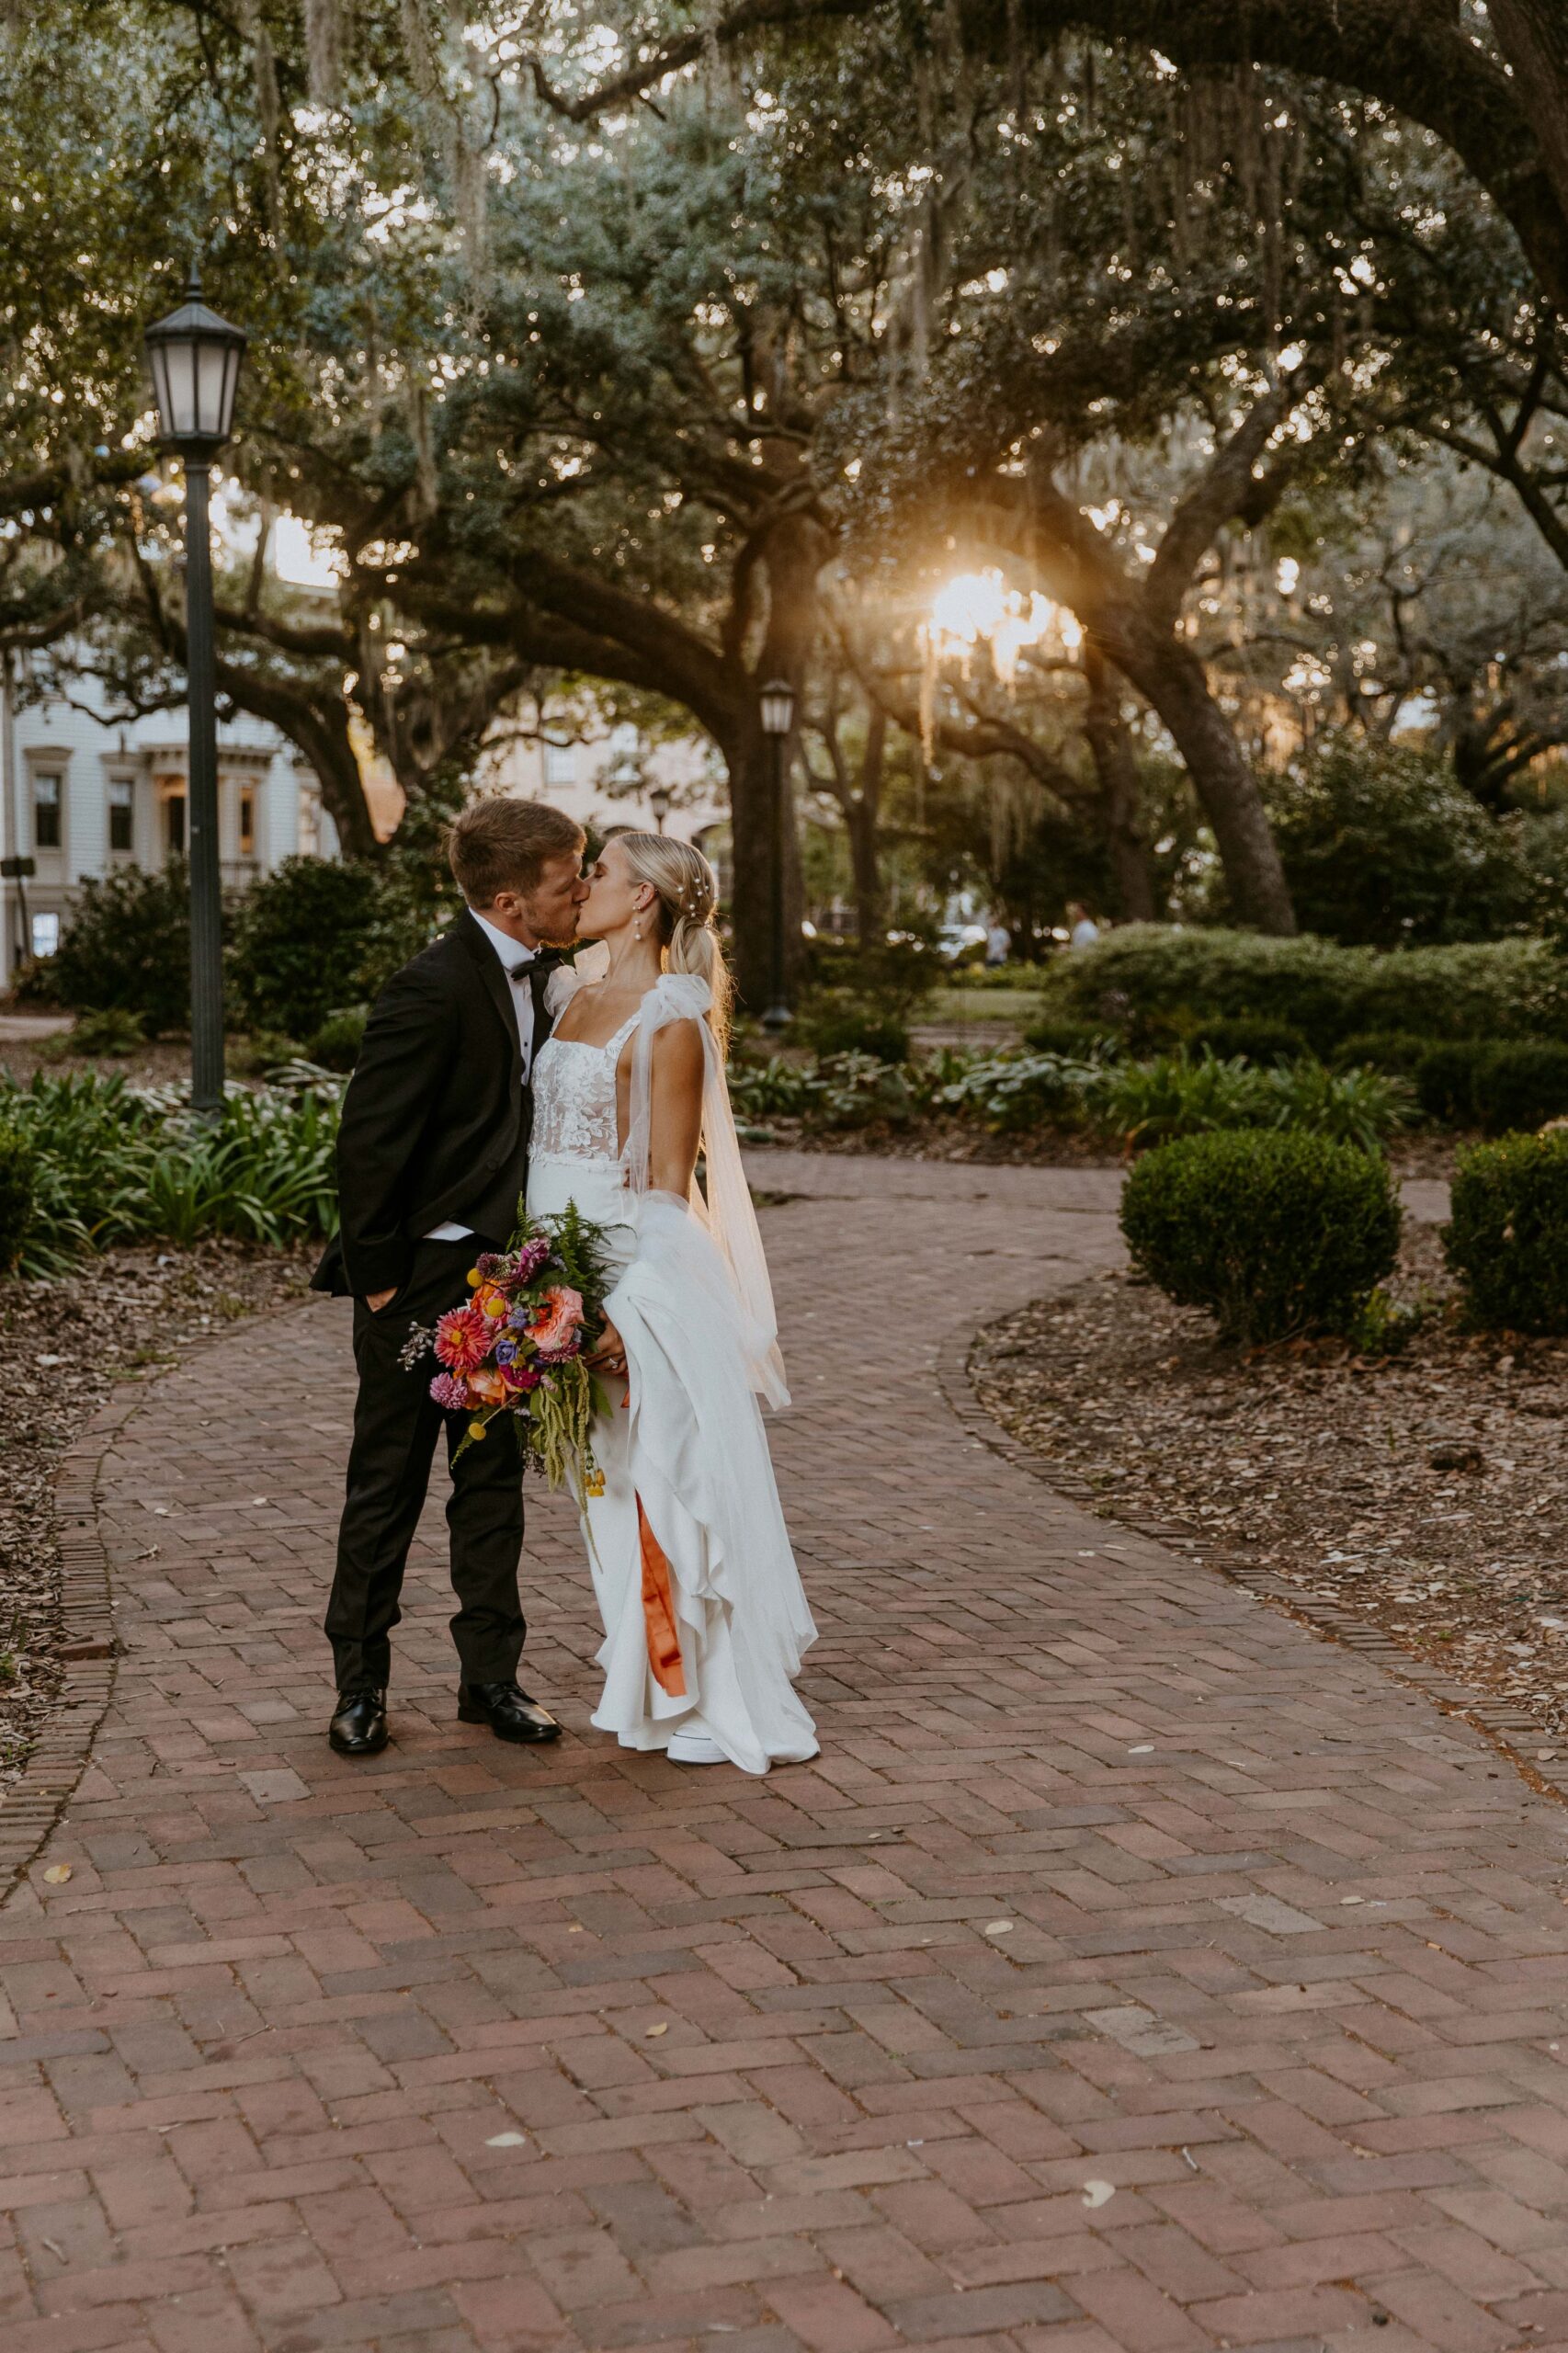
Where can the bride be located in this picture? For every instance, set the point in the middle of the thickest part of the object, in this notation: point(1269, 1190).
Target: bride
point(705, 1619)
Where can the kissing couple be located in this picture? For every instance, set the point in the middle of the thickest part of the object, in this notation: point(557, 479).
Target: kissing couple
point(494, 1072)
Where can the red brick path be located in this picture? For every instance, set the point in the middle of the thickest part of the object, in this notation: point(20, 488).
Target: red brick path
point(1132, 1970)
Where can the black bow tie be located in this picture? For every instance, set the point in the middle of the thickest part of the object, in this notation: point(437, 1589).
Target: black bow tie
point(545, 960)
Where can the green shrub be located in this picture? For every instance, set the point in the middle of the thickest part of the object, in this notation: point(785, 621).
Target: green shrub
point(19, 1192)
point(336, 1045)
point(128, 949)
point(302, 938)
point(892, 975)
point(264, 1050)
point(1496, 1085)
point(1507, 1238)
point(1251, 1040)
point(839, 1026)
point(1075, 1041)
point(114, 1033)
point(1517, 1085)
point(1391, 1049)
point(1274, 1235)
point(858, 1091)
point(1384, 847)
point(1356, 1106)
point(1509, 988)
point(777, 1088)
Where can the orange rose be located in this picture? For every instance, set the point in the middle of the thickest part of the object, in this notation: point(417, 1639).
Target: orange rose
point(486, 1388)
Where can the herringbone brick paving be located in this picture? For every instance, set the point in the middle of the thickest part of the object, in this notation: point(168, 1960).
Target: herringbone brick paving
point(1132, 1969)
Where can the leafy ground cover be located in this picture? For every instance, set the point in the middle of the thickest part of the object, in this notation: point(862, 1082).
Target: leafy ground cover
point(1424, 1492)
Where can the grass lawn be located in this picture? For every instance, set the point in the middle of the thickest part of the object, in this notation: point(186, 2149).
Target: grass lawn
point(953, 1008)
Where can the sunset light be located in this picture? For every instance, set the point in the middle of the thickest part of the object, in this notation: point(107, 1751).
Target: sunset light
point(977, 605)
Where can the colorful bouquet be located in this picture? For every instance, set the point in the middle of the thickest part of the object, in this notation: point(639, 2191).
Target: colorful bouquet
point(519, 1345)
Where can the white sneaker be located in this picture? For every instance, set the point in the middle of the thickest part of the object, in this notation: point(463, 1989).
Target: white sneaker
point(694, 1748)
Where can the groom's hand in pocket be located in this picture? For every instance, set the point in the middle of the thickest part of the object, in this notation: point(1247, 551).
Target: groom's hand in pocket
point(376, 1300)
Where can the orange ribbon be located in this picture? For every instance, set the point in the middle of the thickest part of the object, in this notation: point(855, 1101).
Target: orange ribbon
point(658, 1612)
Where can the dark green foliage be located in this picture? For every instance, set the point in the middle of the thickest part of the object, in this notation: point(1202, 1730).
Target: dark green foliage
point(892, 974)
point(18, 1186)
point(128, 949)
point(1250, 1040)
point(839, 1026)
point(1075, 1040)
point(1274, 1234)
point(1384, 847)
point(1391, 1049)
point(114, 1033)
point(1445, 1082)
point(336, 1045)
point(301, 936)
point(1508, 1240)
point(1519, 1086)
point(1151, 974)
point(1508, 1083)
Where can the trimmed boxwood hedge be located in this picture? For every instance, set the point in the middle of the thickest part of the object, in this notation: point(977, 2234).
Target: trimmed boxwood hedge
point(1274, 1234)
point(1146, 974)
point(1507, 1239)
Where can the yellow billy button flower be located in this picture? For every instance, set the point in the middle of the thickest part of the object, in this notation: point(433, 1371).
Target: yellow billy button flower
point(476, 1429)
point(474, 1279)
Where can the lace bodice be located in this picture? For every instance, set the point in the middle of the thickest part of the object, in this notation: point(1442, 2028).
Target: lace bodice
point(576, 1113)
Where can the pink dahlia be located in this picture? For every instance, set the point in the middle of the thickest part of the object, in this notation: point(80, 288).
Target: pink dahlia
point(450, 1392)
point(462, 1338)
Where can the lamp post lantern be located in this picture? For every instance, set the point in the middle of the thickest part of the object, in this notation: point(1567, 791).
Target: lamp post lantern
point(778, 717)
point(195, 358)
point(659, 799)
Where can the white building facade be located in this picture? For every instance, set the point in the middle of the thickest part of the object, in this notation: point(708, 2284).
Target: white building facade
point(618, 778)
point(82, 795)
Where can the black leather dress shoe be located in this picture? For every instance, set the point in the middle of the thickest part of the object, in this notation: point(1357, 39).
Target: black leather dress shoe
point(359, 1726)
point(510, 1713)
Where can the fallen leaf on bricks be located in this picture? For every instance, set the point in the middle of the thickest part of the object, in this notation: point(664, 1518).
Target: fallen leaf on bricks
point(57, 1874)
point(507, 2141)
point(652, 2030)
point(1098, 2193)
point(999, 1927)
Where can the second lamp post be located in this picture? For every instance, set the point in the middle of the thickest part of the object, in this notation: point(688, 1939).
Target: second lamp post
point(778, 717)
point(195, 358)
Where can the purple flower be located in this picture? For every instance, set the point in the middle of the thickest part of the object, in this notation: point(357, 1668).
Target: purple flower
point(450, 1392)
point(529, 1259)
point(505, 1351)
point(490, 1265)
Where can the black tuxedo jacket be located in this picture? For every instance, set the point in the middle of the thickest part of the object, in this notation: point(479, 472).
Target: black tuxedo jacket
point(435, 1119)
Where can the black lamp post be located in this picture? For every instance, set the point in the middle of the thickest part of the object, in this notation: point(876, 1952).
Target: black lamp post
point(195, 358)
point(659, 799)
point(778, 717)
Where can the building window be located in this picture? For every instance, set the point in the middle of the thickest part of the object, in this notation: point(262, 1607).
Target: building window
point(121, 812)
point(47, 796)
point(561, 763)
point(174, 818)
point(247, 824)
point(45, 933)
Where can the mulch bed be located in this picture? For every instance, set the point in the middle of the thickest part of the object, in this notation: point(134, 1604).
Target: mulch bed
point(64, 1346)
point(1423, 1493)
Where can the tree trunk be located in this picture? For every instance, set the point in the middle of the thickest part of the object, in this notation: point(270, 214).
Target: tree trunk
point(1111, 745)
point(1171, 680)
point(749, 757)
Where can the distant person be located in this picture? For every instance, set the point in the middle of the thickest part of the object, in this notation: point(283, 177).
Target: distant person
point(1082, 929)
point(998, 945)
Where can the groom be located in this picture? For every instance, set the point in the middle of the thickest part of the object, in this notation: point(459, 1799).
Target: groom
point(432, 1156)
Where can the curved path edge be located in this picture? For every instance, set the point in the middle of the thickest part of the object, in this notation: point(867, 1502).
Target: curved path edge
point(1508, 1728)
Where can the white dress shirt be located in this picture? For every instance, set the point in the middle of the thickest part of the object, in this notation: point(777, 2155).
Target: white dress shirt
point(516, 960)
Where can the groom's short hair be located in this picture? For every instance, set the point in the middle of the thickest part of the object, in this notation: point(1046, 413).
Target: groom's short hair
point(499, 844)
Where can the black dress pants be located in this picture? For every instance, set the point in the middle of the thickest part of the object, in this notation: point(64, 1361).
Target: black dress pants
point(396, 1424)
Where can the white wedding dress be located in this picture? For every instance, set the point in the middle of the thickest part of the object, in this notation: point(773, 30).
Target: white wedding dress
point(704, 1615)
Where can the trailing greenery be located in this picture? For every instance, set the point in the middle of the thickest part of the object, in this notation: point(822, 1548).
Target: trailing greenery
point(1508, 1237)
point(113, 1163)
point(1274, 1235)
point(19, 1187)
point(1152, 974)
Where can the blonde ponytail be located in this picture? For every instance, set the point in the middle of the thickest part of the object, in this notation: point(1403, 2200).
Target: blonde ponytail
point(688, 905)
